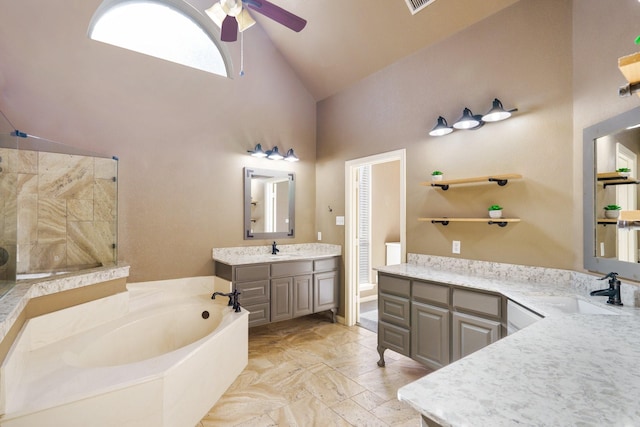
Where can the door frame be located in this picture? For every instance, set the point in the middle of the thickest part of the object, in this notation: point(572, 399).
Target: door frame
point(350, 222)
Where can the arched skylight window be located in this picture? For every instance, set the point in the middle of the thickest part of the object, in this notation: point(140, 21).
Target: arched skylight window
point(167, 29)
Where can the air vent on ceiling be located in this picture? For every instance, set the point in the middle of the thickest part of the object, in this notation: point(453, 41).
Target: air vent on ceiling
point(416, 6)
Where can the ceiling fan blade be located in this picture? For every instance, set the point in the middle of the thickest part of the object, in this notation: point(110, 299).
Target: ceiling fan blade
point(229, 30)
point(276, 13)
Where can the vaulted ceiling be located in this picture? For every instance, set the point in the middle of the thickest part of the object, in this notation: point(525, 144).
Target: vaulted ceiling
point(347, 40)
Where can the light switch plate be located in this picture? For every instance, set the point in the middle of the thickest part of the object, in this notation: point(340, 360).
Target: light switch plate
point(339, 220)
point(455, 248)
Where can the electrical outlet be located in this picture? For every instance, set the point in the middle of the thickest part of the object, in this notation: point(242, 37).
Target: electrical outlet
point(455, 248)
point(319, 235)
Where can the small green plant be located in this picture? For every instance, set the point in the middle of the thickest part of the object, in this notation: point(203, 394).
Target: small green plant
point(495, 208)
point(612, 208)
point(623, 170)
point(434, 173)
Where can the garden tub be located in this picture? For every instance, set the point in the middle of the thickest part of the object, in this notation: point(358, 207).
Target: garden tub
point(160, 354)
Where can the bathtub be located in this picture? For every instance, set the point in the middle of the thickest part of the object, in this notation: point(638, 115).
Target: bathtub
point(160, 354)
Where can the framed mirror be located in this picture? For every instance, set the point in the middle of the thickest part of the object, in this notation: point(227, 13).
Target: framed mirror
point(611, 178)
point(269, 204)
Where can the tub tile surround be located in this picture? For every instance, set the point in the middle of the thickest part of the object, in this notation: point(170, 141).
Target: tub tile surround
point(259, 254)
point(567, 369)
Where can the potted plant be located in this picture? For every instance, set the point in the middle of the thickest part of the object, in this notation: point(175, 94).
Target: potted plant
point(495, 211)
point(623, 171)
point(612, 211)
point(436, 176)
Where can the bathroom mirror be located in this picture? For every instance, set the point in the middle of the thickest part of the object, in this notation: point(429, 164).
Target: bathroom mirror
point(269, 204)
point(609, 146)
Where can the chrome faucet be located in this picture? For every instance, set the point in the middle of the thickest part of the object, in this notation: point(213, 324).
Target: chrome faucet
point(274, 249)
point(613, 291)
point(233, 299)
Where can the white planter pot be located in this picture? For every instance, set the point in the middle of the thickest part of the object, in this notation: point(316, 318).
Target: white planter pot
point(611, 214)
point(495, 214)
point(436, 177)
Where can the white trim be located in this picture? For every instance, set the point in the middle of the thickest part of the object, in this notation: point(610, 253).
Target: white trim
point(350, 172)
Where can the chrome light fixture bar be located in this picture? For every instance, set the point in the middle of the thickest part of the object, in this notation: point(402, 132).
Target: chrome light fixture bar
point(470, 121)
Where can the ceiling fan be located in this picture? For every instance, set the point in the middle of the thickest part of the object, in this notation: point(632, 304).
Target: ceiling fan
point(232, 16)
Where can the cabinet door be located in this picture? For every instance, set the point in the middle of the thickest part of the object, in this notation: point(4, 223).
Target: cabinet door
point(429, 335)
point(302, 295)
point(471, 333)
point(325, 291)
point(281, 299)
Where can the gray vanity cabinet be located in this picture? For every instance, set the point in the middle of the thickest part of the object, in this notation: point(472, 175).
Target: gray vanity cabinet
point(394, 314)
point(253, 284)
point(430, 324)
point(290, 289)
point(284, 290)
point(477, 321)
point(435, 323)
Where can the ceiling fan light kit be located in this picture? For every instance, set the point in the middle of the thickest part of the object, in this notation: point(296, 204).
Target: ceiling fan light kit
point(232, 16)
point(469, 121)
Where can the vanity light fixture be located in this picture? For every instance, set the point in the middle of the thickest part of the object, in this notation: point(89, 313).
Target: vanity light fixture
point(274, 154)
point(257, 151)
point(468, 121)
point(291, 156)
point(497, 112)
point(441, 128)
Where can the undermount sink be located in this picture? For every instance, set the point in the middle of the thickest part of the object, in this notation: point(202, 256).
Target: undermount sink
point(574, 305)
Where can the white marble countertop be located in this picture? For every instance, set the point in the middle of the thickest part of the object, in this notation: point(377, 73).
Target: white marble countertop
point(16, 299)
point(564, 370)
point(243, 255)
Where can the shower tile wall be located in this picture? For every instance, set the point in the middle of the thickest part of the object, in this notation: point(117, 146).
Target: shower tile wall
point(66, 208)
point(8, 211)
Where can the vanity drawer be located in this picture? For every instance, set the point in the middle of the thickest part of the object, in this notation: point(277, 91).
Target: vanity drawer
point(394, 285)
point(281, 269)
point(394, 309)
point(253, 292)
point(431, 292)
point(394, 338)
point(325, 264)
point(259, 314)
point(478, 302)
point(252, 273)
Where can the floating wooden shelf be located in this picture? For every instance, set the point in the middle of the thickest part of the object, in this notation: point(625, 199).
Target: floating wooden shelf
point(615, 178)
point(502, 222)
point(630, 67)
point(501, 180)
point(606, 221)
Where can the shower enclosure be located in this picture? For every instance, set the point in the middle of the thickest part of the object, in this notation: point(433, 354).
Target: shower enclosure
point(58, 208)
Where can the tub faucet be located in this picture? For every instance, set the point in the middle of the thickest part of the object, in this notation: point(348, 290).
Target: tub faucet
point(274, 249)
point(233, 299)
point(613, 291)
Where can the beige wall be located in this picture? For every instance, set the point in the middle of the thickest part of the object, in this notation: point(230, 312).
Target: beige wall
point(521, 55)
point(385, 210)
point(181, 134)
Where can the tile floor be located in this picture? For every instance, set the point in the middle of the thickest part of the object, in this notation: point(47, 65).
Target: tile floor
point(310, 372)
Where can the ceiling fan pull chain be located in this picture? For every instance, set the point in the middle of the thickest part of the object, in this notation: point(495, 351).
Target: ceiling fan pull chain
point(242, 54)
